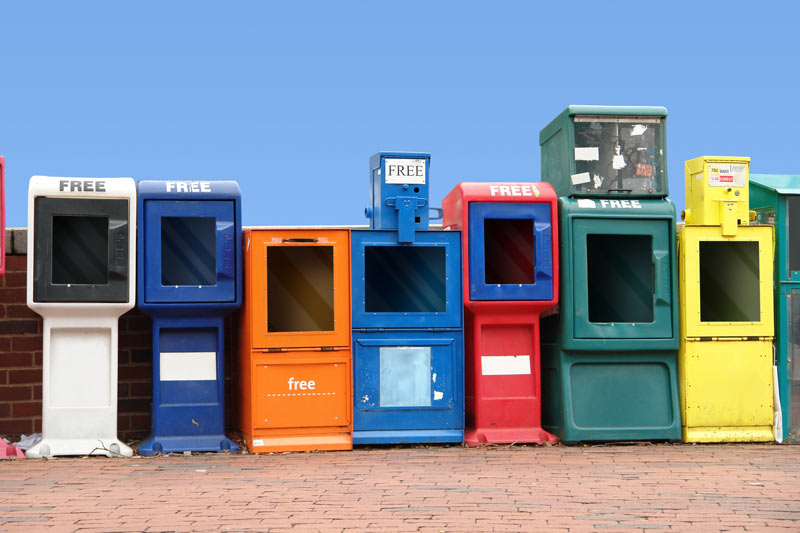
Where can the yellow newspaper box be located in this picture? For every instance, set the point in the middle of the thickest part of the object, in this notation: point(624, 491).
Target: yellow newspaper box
point(725, 285)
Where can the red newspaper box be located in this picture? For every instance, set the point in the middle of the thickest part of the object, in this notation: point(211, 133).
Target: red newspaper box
point(510, 250)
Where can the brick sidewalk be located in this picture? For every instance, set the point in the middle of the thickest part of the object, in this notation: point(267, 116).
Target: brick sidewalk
point(601, 488)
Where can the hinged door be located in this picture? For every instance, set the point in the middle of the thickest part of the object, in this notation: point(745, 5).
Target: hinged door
point(300, 287)
point(622, 279)
point(408, 380)
point(510, 251)
point(189, 251)
point(729, 284)
point(407, 285)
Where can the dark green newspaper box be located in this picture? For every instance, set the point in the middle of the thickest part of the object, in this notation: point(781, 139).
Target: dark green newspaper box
point(609, 356)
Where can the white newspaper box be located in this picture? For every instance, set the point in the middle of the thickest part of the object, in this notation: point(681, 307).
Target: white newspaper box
point(81, 279)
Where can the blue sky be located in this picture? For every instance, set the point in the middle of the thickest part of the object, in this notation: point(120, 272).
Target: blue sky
point(291, 99)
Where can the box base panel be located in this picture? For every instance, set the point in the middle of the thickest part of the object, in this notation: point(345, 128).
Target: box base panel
point(532, 435)
point(158, 444)
point(260, 443)
point(728, 434)
point(48, 447)
point(417, 436)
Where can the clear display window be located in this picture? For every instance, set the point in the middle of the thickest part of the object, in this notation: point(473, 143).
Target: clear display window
point(300, 292)
point(620, 278)
point(508, 251)
point(405, 279)
point(729, 282)
point(188, 251)
point(80, 250)
point(618, 154)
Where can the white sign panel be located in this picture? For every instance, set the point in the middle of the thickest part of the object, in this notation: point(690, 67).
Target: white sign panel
point(727, 175)
point(505, 365)
point(188, 366)
point(401, 171)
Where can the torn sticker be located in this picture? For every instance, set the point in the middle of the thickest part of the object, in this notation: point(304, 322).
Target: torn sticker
point(638, 129)
point(643, 169)
point(618, 161)
point(586, 203)
point(587, 153)
point(434, 377)
point(579, 179)
point(438, 395)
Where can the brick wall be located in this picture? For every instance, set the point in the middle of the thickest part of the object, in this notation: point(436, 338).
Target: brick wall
point(21, 357)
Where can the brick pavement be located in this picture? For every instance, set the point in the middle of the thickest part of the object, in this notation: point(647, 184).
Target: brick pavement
point(519, 488)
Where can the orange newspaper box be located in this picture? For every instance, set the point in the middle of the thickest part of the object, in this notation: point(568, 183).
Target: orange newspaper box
point(295, 349)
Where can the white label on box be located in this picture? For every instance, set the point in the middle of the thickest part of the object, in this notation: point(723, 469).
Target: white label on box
point(402, 171)
point(258, 442)
point(505, 365)
point(188, 366)
point(727, 175)
point(585, 203)
point(578, 179)
point(588, 153)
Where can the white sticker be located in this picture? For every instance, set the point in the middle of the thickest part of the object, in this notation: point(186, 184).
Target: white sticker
point(578, 179)
point(402, 171)
point(638, 129)
point(188, 366)
point(618, 162)
point(588, 153)
point(586, 203)
point(505, 365)
point(438, 395)
point(258, 442)
point(727, 175)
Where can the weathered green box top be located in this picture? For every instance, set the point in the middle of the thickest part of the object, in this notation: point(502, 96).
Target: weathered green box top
point(606, 151)
point(780, 183)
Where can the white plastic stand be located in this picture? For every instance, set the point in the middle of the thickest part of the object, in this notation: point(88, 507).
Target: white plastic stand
point(80, 347)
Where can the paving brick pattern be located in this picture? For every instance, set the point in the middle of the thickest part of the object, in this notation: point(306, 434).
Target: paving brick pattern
point(593, 488)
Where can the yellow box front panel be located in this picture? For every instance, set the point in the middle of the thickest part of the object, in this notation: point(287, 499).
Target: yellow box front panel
point(725, 283)
point(717, 191)
point(726, 390)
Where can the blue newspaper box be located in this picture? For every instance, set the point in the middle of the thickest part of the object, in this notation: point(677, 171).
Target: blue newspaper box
point(408, 337)
point(190, 278)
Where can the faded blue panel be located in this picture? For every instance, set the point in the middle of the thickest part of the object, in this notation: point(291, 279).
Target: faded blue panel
point(405, 376)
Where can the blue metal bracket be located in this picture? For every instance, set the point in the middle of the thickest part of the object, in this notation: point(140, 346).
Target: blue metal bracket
point(406, 207)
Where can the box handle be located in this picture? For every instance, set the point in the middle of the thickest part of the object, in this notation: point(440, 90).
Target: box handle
point(118, 249)
point(297, 239)
point(226, 260)
point(543, 261)
point(662, 276)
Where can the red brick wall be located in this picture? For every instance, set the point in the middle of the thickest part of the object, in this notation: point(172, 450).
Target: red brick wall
point(21, 363)
point(20, 354)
